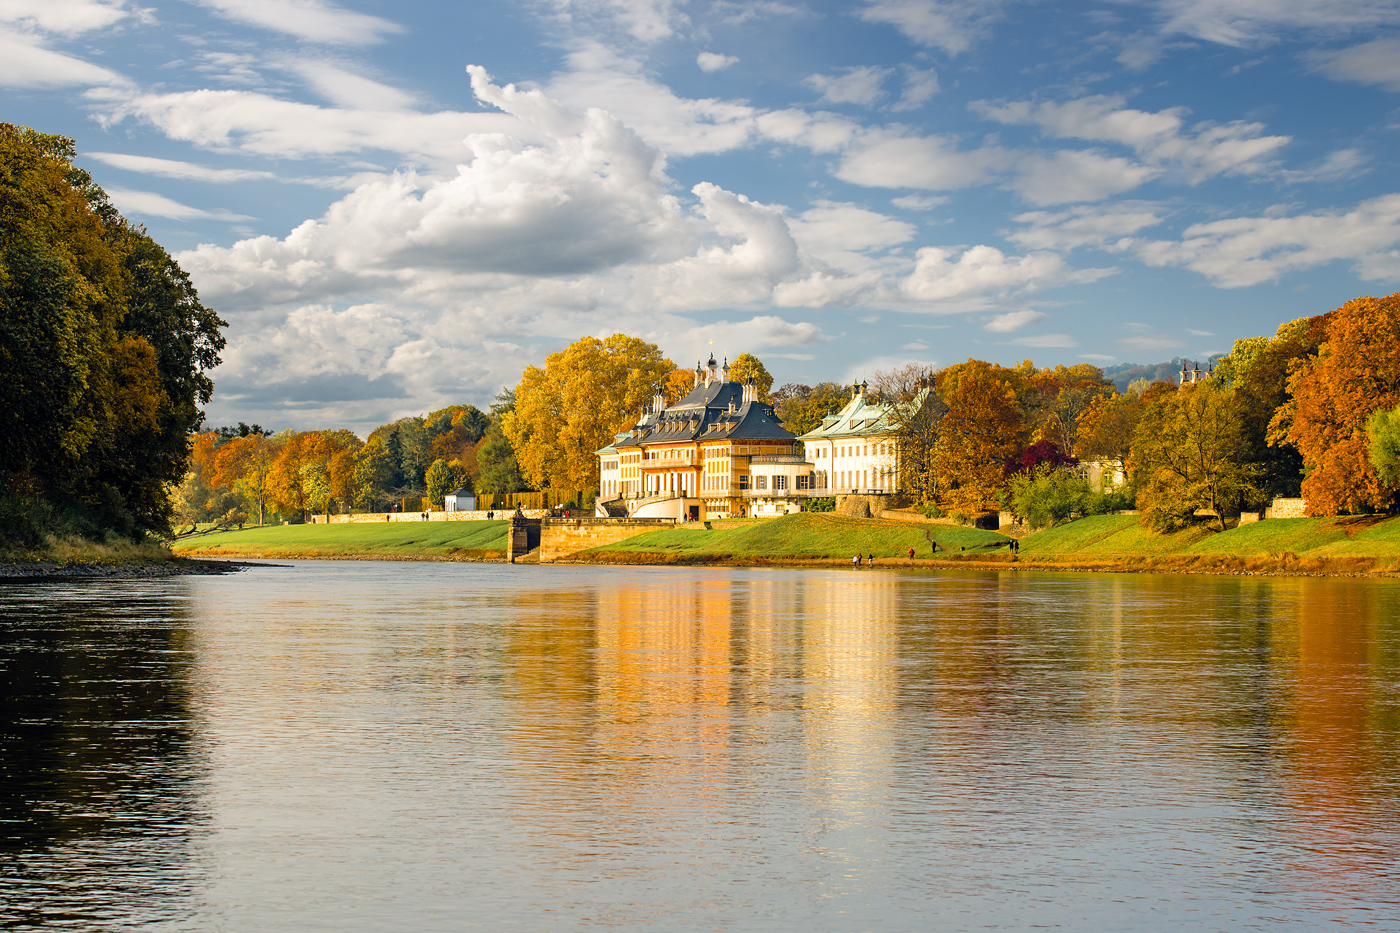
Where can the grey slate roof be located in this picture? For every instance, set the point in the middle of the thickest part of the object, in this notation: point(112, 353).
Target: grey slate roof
point(706, 415)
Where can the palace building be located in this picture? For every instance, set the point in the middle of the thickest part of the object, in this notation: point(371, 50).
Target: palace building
point(717, 453)
point(853, 451)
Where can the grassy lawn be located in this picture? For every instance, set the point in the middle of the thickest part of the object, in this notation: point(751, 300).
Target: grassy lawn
point(1108, 536)
point(1273, 536)
point(352, 539)
point(806, 534)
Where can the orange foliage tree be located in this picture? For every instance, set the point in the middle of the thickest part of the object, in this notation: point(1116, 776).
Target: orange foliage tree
point(1356, 372)
point(313, 468)
point(982, 428)
point(245, 463)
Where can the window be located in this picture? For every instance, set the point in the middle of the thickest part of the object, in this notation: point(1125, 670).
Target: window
point(804, 481)
point(779, 483)
point(743, 482)
point(760, 482)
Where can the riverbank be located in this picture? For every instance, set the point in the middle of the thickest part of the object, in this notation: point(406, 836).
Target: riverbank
point(78, 559)
point(1111, 543)
point(459, 541)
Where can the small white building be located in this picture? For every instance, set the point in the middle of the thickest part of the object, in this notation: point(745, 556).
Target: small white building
point(459, 500)
point(854, 450)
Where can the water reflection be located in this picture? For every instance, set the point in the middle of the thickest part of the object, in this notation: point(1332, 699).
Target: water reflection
point(361, 746)
point(98, 762)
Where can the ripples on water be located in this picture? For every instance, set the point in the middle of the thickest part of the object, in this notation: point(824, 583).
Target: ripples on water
point(358, 746)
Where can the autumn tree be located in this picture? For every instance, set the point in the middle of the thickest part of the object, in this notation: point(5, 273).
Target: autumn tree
point(584, 395)
point(746, 366)
point(679, 383)
point(245, 463)
point(1356, 372)
point(982, 429)
point(1383, 429)
point(312, 469)
point(1107, 427)
point(1258, 369)
point(441, 479)
point(104, 346)
point(801, 408)
point(1189, 454)
point(496, 468)
point(1053, 401)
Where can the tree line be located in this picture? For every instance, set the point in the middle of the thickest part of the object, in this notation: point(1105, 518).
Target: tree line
point(104, 354)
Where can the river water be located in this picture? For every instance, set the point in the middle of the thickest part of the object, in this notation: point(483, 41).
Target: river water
point(388, 746)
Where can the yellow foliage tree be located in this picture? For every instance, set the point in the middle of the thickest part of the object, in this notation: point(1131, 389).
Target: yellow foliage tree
point(747, 366)
point(584, 395)
point(981, 430)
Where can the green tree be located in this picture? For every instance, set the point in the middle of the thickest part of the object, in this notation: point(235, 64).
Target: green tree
point(496, 469)
point(1383, 428)
point(1046, 495)
point(441, 479)
point(746, 366)
point(1189, 454)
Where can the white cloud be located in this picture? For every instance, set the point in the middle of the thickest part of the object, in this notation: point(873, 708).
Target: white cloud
point(984, 272)
point(26, 63)
point(710, 62)
point(309, 20)
point(1144, 343)
point(919, 88)
point(1200, 333)
point(1375, 62)
point(919, 202)
point(1046, 341)
point(1068, 176)
point(884, 159)
point(820, 132)
point(1162, 138)
point(170, 168)
point(598, 77)
point(1108, 226)
point(863, 85)
point(150, 204)
point(1013, 321)
point(950, 25)
point(1257, 22)
point(260, 124)
point(347, 89)
point(66, 17)
point(839, 233)
point(1252, 250)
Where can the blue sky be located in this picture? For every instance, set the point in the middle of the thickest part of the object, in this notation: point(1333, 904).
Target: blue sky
point(399, 206)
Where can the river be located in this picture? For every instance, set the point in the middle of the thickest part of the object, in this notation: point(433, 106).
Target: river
point(372, 746)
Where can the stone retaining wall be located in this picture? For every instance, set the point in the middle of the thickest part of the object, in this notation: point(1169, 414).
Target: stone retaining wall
point(1287, 508)
point(463, 516)
point(560, 537)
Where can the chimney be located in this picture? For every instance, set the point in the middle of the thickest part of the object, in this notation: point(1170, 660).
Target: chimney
point(658, 401)
point(750, 390)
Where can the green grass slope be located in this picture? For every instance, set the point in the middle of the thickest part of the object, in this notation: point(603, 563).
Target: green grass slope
point(1099, 536)
point(805, 535)
point(416, 540)
point(1274, 536)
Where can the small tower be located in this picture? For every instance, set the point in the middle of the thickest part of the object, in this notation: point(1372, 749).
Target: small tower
point(1185, 373)
point(724, 373)
point(711, 371)
point(699, 373)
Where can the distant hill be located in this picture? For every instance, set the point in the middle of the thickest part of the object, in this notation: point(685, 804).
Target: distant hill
point(1170, 371)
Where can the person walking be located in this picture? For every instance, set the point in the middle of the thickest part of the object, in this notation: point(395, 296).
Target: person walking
point(870, 560)
point(855, 561)
point(911, 553)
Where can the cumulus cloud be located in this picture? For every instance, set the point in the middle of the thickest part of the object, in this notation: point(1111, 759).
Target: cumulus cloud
point(1375, 62)
point(985, 272)
point(1246, 251)
point(1013, 321)
point(840, 234)
point(309, 20)
point(710, 62)
point(919, 202)
point(863, 85)
point(950, 25)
